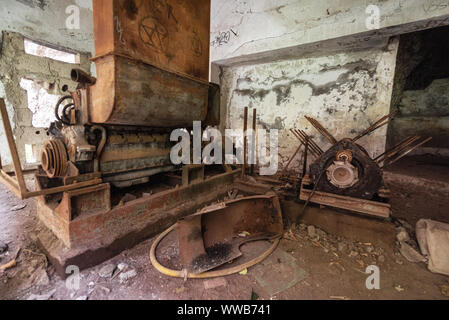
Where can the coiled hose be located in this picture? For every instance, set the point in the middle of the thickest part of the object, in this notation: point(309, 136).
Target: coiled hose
point(211, 274)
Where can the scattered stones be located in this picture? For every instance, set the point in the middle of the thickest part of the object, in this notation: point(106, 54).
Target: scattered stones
point(122, 266)
point(353, 254)
point(369, 249)
point(398, 288)
point(409, 253)
point(124, 277)
point(19, 207)
point(342, 246)
point(107, 271)
point(215, 283)
point(3, 247)
point(311, 231)
point(402, 235)
point(180, 290)
point(42, 297)
point(104, 289)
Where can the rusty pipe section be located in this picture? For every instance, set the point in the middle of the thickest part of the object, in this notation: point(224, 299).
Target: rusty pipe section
point(78, 75)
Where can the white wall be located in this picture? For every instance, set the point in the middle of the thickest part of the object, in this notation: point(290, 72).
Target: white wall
point(345, 91)
point(45, 20)
point(244, 30)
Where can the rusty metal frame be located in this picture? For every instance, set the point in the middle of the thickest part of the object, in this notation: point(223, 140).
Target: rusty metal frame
point(367, 207)
point(17, 185)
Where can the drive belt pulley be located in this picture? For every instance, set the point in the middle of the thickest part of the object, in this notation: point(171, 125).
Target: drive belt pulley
point(54, 158)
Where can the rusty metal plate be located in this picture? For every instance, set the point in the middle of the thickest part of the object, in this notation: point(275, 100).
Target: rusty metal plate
point(213, 237)
point(136, 94)
point(172, 35)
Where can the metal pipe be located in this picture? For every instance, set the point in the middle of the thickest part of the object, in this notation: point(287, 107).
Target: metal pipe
point(245, 142)
point(322, 130)
point(78, 75)
point(254, 141)
point(406, 153)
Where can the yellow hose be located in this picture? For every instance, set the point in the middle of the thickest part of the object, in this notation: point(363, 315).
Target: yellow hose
point(211, 274)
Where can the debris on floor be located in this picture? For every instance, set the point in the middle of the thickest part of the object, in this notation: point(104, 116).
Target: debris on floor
point(19, 207)
point(433, 239)
point(278, 273)
point(364, 253)
point(3, 247)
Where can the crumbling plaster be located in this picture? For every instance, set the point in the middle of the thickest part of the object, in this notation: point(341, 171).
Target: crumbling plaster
point(346, 91)
point(45, 20)
point(245, 31)
point(52, 75)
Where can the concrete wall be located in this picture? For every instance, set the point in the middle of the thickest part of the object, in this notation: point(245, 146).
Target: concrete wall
point(291, 58)
point(47, 74)
point(345, 91)
point(248, 30)
point(43, 21)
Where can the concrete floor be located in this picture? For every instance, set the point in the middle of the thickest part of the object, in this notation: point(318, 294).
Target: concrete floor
point(308, 264)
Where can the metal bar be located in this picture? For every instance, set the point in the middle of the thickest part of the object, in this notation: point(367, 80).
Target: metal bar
point(13, 149)
point(245, 142)
point(376, 125)
point(70, 187)
point(254, 141)
point(406, 153)
point(306, 154)
point(291, 159)
point(311, 141)
point(303, 141)
point(322, 130)
point(372, 208)
point(396, 149)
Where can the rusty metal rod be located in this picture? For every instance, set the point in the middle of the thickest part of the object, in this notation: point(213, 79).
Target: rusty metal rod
point(253, 145)
point(291, 159)
point(397, 149)
point(245, 143)
point(318, 126)
point(377, 125)
point(312, 143)
point(406, 153)
point(306, 154)
point(303, 141)
point(312, 150)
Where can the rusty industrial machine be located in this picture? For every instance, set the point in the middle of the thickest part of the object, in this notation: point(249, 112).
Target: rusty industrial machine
point(113, 132)
point(345, 176)
point(152, 62)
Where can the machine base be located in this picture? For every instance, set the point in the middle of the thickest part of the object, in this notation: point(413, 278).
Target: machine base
point(80, 233)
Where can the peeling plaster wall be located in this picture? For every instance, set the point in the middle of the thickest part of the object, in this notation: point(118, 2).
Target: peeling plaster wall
point(245, 30)
point(49, 74)
point(45, 20)
point(346, 91)
point(291, 58)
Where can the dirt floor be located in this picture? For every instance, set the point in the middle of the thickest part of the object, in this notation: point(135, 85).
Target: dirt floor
point(308, 264)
